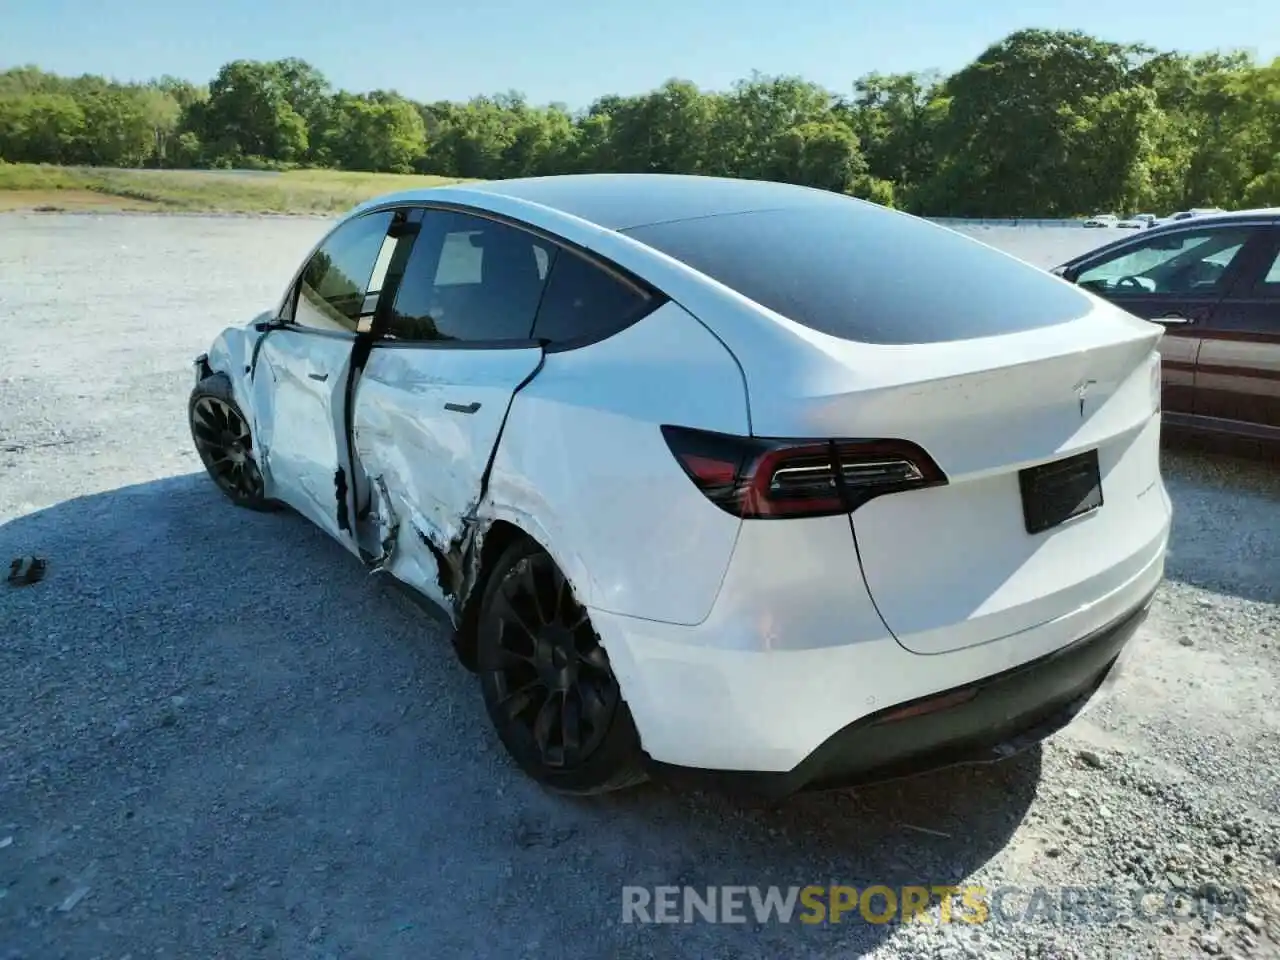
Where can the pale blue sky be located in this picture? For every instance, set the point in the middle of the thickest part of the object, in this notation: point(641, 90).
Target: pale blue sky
point(573, 51)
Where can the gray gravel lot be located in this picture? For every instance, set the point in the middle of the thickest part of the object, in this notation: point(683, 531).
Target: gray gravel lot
point(220, 738)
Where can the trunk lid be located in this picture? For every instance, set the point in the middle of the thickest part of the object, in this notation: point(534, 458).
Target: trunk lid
point(954, 566)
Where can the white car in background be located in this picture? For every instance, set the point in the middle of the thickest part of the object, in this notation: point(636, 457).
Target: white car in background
point(1188, 214)
point(707, 476)
point(1102, 220)
point(1140, 221)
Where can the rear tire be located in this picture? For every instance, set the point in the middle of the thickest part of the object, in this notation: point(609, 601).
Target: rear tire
point(221, 434)
point(547, 683)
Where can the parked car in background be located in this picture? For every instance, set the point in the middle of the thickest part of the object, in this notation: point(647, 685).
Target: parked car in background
point(1189, 214)
point(1147, 220)
point(1131, 223)
point(1102, 220)
point(1212, 280)
point(701, 481)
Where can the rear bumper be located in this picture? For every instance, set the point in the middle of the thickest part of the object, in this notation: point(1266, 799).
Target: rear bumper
point(981, 722)
point(785, 663)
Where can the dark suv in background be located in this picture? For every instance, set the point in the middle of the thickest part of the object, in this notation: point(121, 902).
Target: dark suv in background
point(1213, 282)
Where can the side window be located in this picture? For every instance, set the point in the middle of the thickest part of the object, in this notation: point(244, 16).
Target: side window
point(470, 279)
point(339, 286)
point(1191, 263)
point(584, 301)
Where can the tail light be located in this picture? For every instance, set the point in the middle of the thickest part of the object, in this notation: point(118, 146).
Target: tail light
point(753, 477)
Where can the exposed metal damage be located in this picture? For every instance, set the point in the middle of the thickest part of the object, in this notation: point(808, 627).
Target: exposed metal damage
point(445, 571)
point(388, 524)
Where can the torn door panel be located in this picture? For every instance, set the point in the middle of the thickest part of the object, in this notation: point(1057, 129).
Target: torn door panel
point(399, 453)
point(421, 548)
point(407, 554)
point(425, 423)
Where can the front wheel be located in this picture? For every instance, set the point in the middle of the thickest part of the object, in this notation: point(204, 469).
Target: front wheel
point(547, 683)
point(222, 437)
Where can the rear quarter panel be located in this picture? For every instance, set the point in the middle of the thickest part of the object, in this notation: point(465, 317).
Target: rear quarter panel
point(583, 468)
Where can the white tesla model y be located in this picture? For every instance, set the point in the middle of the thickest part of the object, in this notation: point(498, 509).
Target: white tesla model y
point(733, 477)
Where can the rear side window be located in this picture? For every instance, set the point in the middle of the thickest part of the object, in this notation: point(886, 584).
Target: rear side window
point(863, 273)
point(469, 279)
point(584, 302)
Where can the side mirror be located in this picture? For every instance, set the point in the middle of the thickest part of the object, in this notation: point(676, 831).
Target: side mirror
point(268, 322)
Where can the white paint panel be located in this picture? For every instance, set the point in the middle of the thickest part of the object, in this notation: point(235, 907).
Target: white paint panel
point(726, 695)
point(231, 353)
point(584, 469)
point(954, 566)
point(298, 407)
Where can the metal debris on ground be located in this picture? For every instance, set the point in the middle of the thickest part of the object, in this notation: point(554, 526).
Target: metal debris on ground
point(24, 571)
point(73, 899)
point(928, 830)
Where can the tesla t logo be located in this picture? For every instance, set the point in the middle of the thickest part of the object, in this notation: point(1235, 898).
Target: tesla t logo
point(1082, 390)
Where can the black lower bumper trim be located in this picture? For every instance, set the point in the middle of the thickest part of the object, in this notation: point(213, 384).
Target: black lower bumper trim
point(1006, 713)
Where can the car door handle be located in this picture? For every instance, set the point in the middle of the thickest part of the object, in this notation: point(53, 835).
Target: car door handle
point(322, 377)
point(463, 407)
point(1174, 318)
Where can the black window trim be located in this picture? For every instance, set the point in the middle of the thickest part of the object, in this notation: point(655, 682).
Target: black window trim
point(559, 244)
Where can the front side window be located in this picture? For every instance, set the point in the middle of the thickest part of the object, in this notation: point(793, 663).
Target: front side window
point(334, 292)
point(470, 279)
point(1191, 263)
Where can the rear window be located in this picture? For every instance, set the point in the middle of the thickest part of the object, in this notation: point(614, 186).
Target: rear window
point(866, 274)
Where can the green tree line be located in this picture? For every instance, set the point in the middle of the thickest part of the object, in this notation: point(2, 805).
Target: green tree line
point(1042, 124)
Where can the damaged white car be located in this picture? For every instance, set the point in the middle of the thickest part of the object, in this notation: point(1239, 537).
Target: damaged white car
point(714, 475)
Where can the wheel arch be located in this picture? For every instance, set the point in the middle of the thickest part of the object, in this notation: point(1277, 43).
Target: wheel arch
point(501, 528)
point(231, 355)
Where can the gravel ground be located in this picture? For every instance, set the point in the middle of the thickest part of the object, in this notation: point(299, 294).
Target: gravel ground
point(219, 738)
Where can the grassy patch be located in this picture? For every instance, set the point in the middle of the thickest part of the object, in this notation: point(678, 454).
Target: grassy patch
point(30, 187)
point(67, 199)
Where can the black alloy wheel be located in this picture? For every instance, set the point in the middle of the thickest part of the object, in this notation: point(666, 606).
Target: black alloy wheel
point(225, 444)
point(548, 685)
